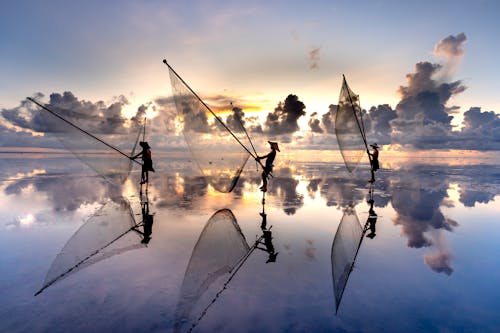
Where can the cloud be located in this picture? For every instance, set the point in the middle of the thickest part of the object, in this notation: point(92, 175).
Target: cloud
point(314, 123)
point(378, 123)
point(283, 120)
point(451, 46)
point(422, 117)
point(481, 130)
point(314, 58)
point(236, 120)
point(328, 119)
point(96, 118)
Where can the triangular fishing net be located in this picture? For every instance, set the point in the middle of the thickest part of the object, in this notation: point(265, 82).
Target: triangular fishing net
point(344, 250)
point(220, 247)
point(218, 154)
point(349, 127)
point(91, 139)
point(106, 233)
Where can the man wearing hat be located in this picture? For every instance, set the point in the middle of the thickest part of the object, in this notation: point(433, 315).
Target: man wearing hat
point(268, 167)
point(147, 162)
point(374, 160)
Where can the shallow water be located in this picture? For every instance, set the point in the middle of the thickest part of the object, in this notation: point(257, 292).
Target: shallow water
point(432, 267)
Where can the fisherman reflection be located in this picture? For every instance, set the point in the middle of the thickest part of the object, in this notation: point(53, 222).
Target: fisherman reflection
point(373, 161)
point(147, 162)
point(372, 217)
point(268, 167)
point(147, 222)
point(267, 238)
point(372, 220)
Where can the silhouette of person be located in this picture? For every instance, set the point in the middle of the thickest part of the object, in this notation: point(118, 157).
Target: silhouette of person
point(267, 236)
point(147, 162)
point(374, 161)
point(147, 220)
point(147, 223)
point(268, 167)
point(372, 220)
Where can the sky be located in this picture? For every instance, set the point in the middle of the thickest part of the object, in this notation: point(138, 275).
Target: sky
point(256, 53)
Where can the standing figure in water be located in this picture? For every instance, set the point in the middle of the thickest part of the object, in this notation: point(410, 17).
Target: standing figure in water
point(374, 160)
point(147, 162)
point(268, 167)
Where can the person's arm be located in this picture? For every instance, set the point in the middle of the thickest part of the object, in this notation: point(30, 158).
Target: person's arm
point(134, 157)
point(262, 157)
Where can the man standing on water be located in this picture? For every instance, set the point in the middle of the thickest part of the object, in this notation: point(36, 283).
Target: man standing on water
point(374, 160)
point(147, 162)
point(268, 167)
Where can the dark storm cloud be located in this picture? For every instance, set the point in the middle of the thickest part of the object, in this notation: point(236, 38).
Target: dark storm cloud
point(314, 58)
point(451, 46)
point(314, 123)
point(284, 118)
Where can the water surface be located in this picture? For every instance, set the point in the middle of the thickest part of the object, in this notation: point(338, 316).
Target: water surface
point(432, 267)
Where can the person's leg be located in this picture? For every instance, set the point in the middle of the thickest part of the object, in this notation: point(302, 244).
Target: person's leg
point(264, 181)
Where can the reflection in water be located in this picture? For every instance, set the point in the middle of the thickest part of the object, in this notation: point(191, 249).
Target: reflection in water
point(417, 199)
point(220, 252)
point(418, 202)
point(267, 237)
point(104, 235)
point(346, 245)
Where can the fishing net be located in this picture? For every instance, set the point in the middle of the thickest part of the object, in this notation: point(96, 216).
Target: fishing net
point(89, 138)
point(344, 250)
point(105, 234)
point(218, 154)
point(349, 128)
point(220, 247)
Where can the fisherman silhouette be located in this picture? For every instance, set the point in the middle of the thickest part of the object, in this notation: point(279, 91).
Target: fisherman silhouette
point(372, 220)
point(373, 161)
point(267, 236)
point(268, 167)
point(147, 162)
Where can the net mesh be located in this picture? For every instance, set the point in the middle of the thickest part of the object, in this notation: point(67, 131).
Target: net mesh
point(105, 234)
point(115, 166)
point(344, 250)
point(349, 128)
point(219, 156)
point(220, 247)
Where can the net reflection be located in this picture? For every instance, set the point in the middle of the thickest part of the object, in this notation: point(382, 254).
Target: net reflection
point(347, 243)
point(220, 252)
point(112, 230)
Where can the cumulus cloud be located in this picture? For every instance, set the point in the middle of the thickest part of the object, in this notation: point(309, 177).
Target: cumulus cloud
point(423, 119)
point(283, 120)
point(328, 119)
point(481, 130)
point(97, 118)
point(378, 123)
point(314, 58)
point(451, 46)
point(314, 123)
